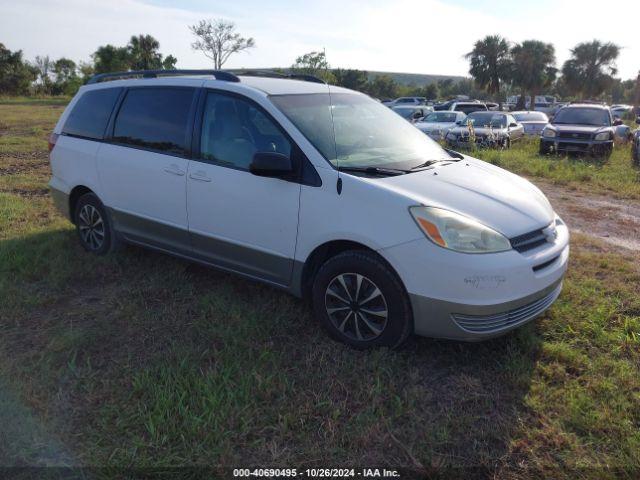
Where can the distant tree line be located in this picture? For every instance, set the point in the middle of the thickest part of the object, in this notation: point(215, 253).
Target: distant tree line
point(63, 76)
point(497, 67)
point(529, 68)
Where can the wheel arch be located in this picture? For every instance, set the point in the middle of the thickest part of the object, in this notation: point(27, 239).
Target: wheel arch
point(74, 195)
point(306, 273)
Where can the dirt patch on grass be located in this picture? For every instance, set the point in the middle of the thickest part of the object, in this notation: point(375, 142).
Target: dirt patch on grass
point(28, 192)
point(614, 221)
point(37, 155)
point(17, 168)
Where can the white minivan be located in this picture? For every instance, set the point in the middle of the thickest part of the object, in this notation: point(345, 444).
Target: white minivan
point(314, 189)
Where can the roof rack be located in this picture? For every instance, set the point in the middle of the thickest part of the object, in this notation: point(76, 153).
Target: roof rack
point(217, 74)
point(272, 74)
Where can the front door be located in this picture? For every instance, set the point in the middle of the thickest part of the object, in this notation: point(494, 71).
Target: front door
point(238, 220)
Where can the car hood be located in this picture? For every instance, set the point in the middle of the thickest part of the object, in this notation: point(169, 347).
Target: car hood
point(578, 128)
point(497, 198)
point(434, 125)
point(541, 123)
point(479, 130)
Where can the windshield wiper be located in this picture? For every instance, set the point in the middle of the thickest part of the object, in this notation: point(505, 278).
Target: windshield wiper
point(374, 170)
point(455, 157)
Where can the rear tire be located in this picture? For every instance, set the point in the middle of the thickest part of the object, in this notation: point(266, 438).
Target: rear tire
point(94, 226)
point(360, 301)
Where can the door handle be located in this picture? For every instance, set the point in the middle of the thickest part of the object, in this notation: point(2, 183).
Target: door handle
point(174, 169)
point(200, 175)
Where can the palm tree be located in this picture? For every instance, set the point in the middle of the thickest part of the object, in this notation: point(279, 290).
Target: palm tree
point(590, 70)
point(490, 63)
point(533, 68)
point(143, 50)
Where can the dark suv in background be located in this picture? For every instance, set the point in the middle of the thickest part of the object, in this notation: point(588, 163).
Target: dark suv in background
point(580, 128)
point(635, 146)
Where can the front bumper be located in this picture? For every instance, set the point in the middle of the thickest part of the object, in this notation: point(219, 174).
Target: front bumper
point(482, 142)
point(594, 147)
point(476, 297)
point(457, 321)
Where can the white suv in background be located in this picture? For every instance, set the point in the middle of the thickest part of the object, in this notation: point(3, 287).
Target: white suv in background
point(315, 189)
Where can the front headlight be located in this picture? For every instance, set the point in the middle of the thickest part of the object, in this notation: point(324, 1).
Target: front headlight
point(457, 232)
point(603, 136)
point(549, 133)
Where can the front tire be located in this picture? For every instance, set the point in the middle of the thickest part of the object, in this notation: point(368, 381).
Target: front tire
point(360, 301)
point(543, 149)
point(93, 225)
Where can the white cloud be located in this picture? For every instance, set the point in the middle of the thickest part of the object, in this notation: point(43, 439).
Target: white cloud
point(423, 36)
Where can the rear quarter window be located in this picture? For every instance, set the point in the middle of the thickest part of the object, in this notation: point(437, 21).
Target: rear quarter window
point(90, 114)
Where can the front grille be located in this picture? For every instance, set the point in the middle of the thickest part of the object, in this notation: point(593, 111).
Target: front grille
point(573, 146)
point(511, 318)
point(575, 135)
point(528, 241)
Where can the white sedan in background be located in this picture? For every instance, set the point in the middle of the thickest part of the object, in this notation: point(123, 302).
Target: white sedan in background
point(533, 122)
point(437, 124)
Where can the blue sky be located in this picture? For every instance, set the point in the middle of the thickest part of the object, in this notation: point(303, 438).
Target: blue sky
point(421, 36)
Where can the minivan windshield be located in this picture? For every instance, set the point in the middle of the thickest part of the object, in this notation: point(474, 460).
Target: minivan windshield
point(583, 116)
point(367, 134)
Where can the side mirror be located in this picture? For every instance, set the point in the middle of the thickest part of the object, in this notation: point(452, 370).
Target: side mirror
point(618, 122)
point(638, 121)
point(416, 115)
point(271, 164)
point(513, 125)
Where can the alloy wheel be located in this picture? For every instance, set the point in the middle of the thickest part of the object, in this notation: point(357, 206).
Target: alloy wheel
point(91, 227)
point(356, 306)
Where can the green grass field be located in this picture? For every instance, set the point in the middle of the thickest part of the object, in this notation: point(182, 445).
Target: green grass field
point(142, 360)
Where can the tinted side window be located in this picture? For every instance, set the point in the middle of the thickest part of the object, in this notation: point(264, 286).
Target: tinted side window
point(233, 130)
point(155, 118)
point(90, 114)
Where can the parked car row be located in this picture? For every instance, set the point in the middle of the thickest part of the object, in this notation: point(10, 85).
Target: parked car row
point(587, 128)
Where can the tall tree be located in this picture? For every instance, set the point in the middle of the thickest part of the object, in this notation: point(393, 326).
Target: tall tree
point(533, 69)
point(218, 40)
point(383, 87)
point(44, 66)
point(314, 63)
point(353, 79)
point(490, 64)
point(65, 72)
point(16, 75)
point(109, 58)
point(591, 67)
point(169, 62)
point(143, 53)
point(636, 98)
